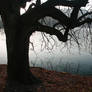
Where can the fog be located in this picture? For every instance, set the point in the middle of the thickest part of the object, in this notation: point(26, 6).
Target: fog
point(58, 57)
point(3, 54)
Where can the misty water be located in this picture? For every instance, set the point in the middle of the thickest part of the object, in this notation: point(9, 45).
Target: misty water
point(57, 59)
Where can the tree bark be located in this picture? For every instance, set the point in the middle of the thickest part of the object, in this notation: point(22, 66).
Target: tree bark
point(17, 51)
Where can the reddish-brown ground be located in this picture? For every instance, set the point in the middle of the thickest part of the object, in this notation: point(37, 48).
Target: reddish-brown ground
point(55, 81)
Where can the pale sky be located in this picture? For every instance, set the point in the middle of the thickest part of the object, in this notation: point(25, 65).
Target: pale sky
point(90, 1)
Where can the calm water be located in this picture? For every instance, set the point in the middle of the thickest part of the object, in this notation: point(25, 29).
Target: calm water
point(80, 63)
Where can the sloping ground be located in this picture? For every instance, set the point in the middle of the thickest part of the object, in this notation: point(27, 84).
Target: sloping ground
point(54, 81)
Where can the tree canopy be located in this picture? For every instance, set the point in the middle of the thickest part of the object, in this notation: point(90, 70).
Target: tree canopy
point(68, 22)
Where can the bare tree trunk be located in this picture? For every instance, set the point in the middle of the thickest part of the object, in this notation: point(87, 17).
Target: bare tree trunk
point(18, 65)
point(17, 51)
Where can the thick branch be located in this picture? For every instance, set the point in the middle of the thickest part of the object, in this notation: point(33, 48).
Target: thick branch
point(52, 31)
point(30, 18)
point(77, 24)
point(33, 15)
point(71, 3)
point(49, 30)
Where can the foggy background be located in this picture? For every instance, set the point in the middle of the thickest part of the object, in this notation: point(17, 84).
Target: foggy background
point(60, 58)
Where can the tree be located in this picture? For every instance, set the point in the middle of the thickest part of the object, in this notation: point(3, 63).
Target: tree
point(18, 29)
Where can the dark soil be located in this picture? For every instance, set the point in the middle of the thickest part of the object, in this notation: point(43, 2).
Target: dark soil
point(52, 81)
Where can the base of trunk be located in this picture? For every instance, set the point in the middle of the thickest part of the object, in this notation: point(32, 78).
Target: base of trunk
point(30, 80)
point(27, 79)
point(29, 84)
point(13, 86)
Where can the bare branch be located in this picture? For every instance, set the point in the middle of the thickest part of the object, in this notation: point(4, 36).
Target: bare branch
point(33, 15)
point(38, 2)
point(51, 31)
point(87, 20)
point(71, 3)
point(84, 15)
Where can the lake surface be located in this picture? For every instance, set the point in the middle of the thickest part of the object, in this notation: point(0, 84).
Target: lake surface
point(56, 59)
